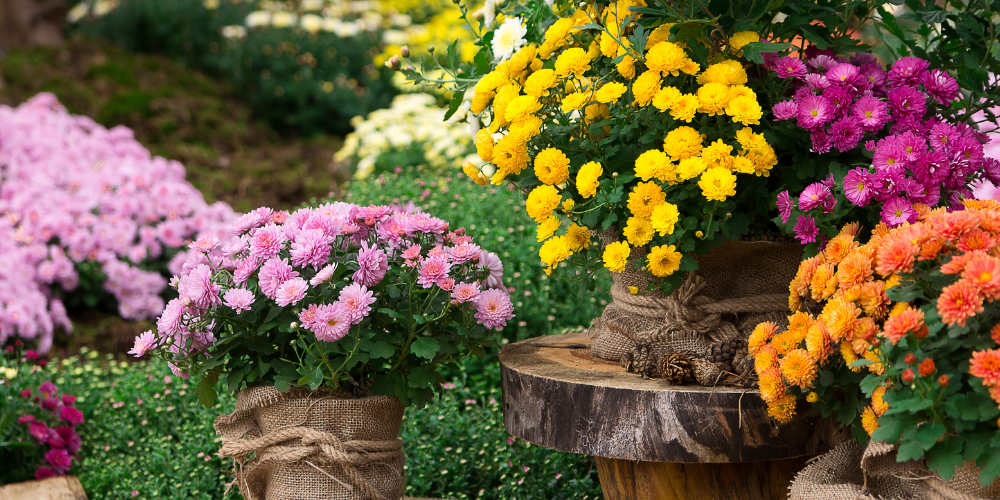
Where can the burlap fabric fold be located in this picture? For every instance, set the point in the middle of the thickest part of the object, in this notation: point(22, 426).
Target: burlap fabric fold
point(850, 472)
point(304, 445)
point(737, 285)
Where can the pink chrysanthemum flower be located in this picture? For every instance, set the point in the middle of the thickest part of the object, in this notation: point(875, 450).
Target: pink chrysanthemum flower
point(805, 229)
point(889, 155)
point(814, 111)
point(941, 85)
point(244, 269)
point(169, 322)
point(323, 222)
point(238, 299)
point(59, 459)
point(785, 110)
point(235, 245)
point(323, 275)
point(813, 196)
point(291, 292)
point(143, 343)
point(437, 251)
point(817, 81)
point(331, 322)
point(898, 211)
point(311, 248)
point(871, 112)
point(821, 63)
point(446, 284)
point(198, 286)
point(790, 67)
point(39, 430)
point(846, 133)
point(493, 308)
point(412, 253)
point(821, 141)
point(859, 186)
point(432, 270)
point(372, 264)
point(874, 75)
point(358, 300)
point(784, 206)
point(247, 222)
point(907, 71)
point(204, 244)
point(273, 274)
point(843, 74)
point(44, 473)
point(913, 145)
point(424, 223)
point(490, 261)
point(279, 217)
point(465, 252)
point(907, 101)
point(944, 135)
point(465, 292)
point(307, 316)
point(371, 214)
point(266, 242)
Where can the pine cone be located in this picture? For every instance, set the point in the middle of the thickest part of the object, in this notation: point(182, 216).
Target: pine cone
point(705, 372)
point(627, 361)
point(644, 361)
point(724, 352)
point(675, 368)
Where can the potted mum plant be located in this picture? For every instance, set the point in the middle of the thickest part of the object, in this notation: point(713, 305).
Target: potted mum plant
point(327, 321)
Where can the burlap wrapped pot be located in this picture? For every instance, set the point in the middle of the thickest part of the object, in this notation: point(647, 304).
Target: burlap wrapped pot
point(850, 472)
point(304, 445)
point(737, 285)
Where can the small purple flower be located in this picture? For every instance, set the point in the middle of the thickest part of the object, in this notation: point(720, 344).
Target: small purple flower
point(805, 229)
point(907, 71)
point(906, 100)
point(898, 211)
point(814, 111)
point(813, 196)
point(846, 133)
point(785, 110)
point(784, 206)
point(790, 67)
point(858, 186)
point(941, 85)
point(238, 299)
point(871, 113)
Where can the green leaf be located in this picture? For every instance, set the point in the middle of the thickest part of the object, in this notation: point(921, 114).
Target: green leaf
point(991, 467)
point(419, 319)
point(206, 390)
point(316, 378)
point(420, 378)
point(753, 51)
point(282, 385)
point(273, 313)
point(456, 102)
point(382, 349)
point(945, 457)
point(904, 292)
point(391, 313)
point(425, 347)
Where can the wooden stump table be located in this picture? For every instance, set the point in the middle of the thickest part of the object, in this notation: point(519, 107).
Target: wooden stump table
point(651, 439)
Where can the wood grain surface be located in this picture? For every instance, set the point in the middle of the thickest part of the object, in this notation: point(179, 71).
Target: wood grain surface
point(563, 401)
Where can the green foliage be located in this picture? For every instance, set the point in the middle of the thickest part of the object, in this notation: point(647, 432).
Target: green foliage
point(496, 217)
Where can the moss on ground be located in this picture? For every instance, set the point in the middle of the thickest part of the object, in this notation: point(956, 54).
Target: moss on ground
point(179, 114)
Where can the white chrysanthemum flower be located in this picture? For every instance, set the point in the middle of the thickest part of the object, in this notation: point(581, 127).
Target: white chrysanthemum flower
point(283, 19)
point(258, 18)
point(508, 38)
point(234, 31)
point(310, 5)
point(311, 23)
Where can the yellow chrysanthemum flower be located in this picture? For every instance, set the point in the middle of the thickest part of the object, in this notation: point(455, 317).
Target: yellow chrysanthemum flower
point(589, 178)
point(690, 67)
point(878, 401)
point(745, 110)
point(554, 251)
point(578, 237)
point(684, 109)
point(574, 101)
point(542, 201)
point(626, 67)
point(663, 260)
point(741, 91)
point(506, 94)
point(557, 35)
point(782, 410)
point(474, 173)
point(645, 87)
point(547, 227)
point(567, 206)
point(727, 72)
point(595, 111)
point(743, 165)
point(869, 420)
point(666, 98)
point(510, 155)
point(683, 142)
point(717, 155)
point(712, 98)
point(666, 57)
point(551, 166)
point(524, 130)
point(818, 341)
point(573, 61)
point(610, 92)
point(638, 231)
point(692, 167)
point(717, 184)
point(749, 139)
point(812, 397)
point(741, 38)
point(664, 218)
point(660, 34)
point(484, 144)
point(654, 164)
point(798, 368)
point(521, 107)
point(644, 197)
point(616, 256)
point(772, 387)
point(539, 83)
point(763, 159)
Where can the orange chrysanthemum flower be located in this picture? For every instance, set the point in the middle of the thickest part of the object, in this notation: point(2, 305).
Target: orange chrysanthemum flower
point(798, 368)
point(878, 400)
point(951, 226)
point(818, 342)
point(958, 302)
point(907, 321)
point(995, 394)
point(873, 299)
point(869, 420)
point(986, 365)
point(922, 211)
point(823, 283)
point(867, 329)
point(772, 388)
point(930, 249)
point(767, 357)
point(759, 337)
point(785, 341)
point(800, 284)
point(977, 239)
point(783, 409)
point(849, 356)
point(800, 322)
point(854, 269)
point(841, 318)
point(995, 333)
point(876, 367)
point(984, 272)
point(957, 263)
point(838, 248)
point(850, 229)
point(896, 255)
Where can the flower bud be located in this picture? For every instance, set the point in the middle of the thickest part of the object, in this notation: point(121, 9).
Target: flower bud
point(294, 325)
point(927, 367)
point(812, 397)
point(922, 333)
point(908, 375)
point(430, 48)
point(910, 358)
point(405, 51)
point(394, 63)
point(943, 380)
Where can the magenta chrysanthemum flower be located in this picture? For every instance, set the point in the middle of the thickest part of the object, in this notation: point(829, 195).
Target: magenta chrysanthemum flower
point(875, 75)
point(465, 252)
point(907, 100)
point(372, 264)
point(889, 154)
point(432, 270)
point(941, 85)
point(785, 110)
point(198, 286)
point(143, 343)
point(238, 299)
point(814, 111)
point(871, 113)
point(821, 63)
point(913, 145)
point(291, 292)
point(898, 211)
point(465, 292)
point(323, 275)
point(48, 388)
point(843, 74)
point(813, 196)
point(944, 135)
point(817, 81)
point(839, 99)
point(846, 133)
point(969, 151)
point(861, 58)
point(805, 229)
point(311, 248)
point(784, 206)
point(71, 415)
point(820, 141)
point(39, 431)
point(858, 186)
point(907, 71)
point(358, 300)
point(490, 261)
point(273, 274)
point(266, 242)
point(331, 322)
point(44, 473)
point(59, 459)
point(26, 419)
point(790, 67)
point(493, 308)
point(71, 440)
point(69, 399)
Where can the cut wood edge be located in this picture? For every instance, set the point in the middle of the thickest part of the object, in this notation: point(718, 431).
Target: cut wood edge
point(53, 488)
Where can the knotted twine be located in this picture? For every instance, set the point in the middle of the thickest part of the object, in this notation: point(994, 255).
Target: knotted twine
point(849, 472)
point(303, 445)
point(737, 286)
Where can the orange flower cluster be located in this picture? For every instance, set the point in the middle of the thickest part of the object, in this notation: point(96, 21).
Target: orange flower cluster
point(849, 282)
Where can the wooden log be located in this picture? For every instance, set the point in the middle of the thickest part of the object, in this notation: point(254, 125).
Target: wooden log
point(53, 488)
point(630, 480)
point(563, 401)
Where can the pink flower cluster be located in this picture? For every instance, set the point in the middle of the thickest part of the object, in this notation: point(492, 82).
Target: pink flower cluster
point(290, 260)
point(76, 192)
point(918, 157)
point(62, 440)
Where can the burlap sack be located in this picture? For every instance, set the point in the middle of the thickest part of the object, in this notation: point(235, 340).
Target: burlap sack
point(737, 285)
point(849, 472)
point(305, 445)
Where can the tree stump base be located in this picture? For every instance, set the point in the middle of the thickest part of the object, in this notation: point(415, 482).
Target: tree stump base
point(53, 488)
point(653, 440)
